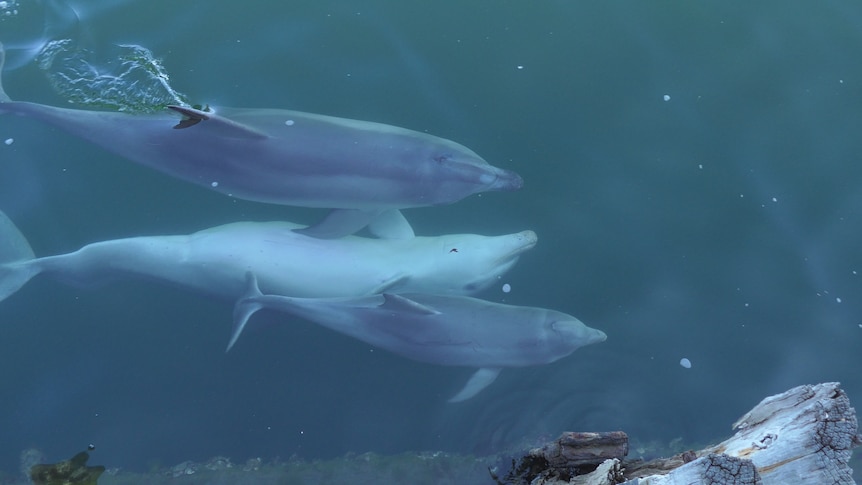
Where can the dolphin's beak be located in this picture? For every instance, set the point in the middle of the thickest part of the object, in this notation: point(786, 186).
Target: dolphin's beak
point(577, 333)
point(507, 180)
point(598, 336)
point(526, 240)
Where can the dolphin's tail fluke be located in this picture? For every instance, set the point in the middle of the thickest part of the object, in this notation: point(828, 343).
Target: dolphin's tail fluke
point(245, 307)
point(4, 98)
point(15, 258)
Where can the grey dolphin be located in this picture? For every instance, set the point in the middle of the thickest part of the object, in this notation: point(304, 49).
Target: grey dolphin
point(437, 329)
point(215, 261)
point(365, 171)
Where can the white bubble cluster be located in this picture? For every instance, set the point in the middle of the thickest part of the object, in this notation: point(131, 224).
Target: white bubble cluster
point(8, 8)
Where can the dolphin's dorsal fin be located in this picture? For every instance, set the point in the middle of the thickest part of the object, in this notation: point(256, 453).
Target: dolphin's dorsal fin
point(244, 308)
point(391, 224)
point(339, 223)
point(481, 379)
point(403, 304)
point(225, 127)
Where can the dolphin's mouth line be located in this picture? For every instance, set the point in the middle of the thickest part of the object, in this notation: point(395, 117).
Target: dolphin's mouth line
point(530, 244)
point(508, 181)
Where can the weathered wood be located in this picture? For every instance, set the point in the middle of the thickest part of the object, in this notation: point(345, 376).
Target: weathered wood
point(712, 469)
point(580, 449)
point(803, 436)
point(568, 456)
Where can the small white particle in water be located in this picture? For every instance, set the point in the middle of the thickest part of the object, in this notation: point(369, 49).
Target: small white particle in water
point(667, 97)
point(685, 363)
point(520, 67)
point(507, 288)
point(854, 271)
point(9, 141)
point(746, 305)
point(774, 199)
point(700, 166)
point(837, 300)
point(214, 184)
point(289, 122)
point(3, 4)
point(840, 81)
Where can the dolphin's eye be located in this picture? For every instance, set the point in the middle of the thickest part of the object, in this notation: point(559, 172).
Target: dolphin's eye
point(443, 158)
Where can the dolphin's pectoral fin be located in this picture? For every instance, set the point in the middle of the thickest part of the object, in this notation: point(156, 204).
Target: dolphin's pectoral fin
point(339, 223)
point(406, 305)
point(391, 224)
point(222, 126)
point(390, 284)
point(244, 308)
point(480, 380)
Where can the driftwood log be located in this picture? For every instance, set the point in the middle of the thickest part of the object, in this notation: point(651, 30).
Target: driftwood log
point(803, 436)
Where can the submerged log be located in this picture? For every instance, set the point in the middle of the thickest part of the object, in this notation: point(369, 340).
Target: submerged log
point(805, 435)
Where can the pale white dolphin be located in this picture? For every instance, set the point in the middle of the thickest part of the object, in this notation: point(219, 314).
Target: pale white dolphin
point(367, 171)
point(215, 261)
point(437, 329)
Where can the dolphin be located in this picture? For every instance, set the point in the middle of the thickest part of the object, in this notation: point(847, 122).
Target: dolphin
point(437, 329)
point(214, 261)
point(365, 171)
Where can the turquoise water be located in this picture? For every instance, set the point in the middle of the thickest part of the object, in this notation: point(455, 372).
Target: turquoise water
point(721, 225)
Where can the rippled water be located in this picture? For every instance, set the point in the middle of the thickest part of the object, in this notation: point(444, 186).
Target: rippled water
point(692, 172)
point(133, 81)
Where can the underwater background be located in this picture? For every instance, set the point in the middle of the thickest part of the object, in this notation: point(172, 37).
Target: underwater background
point(693, 171)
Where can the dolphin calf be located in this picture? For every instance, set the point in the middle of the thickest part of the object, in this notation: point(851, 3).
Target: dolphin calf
point(437, 329)
point(215, 261)
point(365, 171)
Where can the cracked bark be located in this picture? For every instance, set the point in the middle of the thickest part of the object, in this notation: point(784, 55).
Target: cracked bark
point(805, 435)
